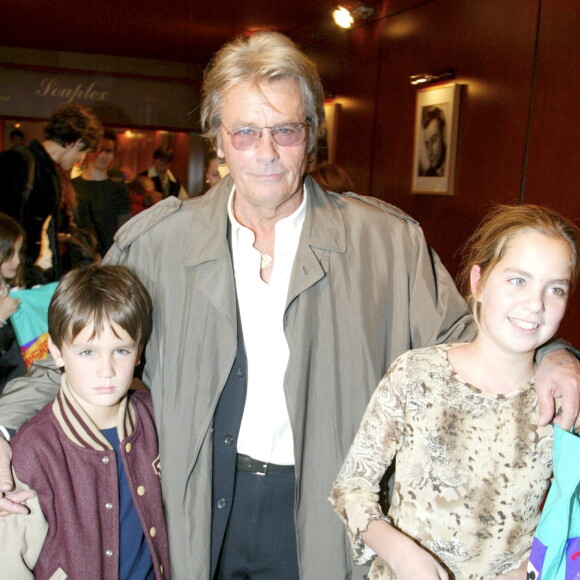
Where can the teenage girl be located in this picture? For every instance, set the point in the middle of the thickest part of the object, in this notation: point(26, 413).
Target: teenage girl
point(472, 464)
point(11, 240)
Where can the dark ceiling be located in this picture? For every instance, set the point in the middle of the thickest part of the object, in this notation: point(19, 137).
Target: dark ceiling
point(176, 30)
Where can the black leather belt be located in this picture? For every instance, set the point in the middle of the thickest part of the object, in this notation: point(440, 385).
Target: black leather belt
point(247, 463)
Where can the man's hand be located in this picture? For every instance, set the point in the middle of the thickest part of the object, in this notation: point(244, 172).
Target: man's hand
point(6, 481)
point(14, 502)
point(11, 502)
point(558, 375)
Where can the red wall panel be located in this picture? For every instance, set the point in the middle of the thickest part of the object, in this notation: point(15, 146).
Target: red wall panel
point(553, 165)
point(518, 62)
point(490, 45)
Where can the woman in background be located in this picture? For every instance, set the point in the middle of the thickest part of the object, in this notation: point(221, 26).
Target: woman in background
point(332, 177)
point(211, 171)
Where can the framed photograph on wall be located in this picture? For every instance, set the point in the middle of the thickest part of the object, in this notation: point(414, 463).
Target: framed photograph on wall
point(436, 120)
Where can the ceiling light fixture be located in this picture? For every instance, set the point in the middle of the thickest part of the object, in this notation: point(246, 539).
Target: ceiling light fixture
point(426, 78)
point(345, 15)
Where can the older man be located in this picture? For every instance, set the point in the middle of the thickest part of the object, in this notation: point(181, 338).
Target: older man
point(278, 307)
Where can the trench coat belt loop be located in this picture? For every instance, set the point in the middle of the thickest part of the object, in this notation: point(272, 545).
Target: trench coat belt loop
point(250, 465)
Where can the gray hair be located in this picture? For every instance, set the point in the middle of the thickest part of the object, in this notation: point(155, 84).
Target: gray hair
point(263, 56)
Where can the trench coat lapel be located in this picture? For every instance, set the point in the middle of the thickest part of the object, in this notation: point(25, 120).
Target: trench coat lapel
point(323, 232)
point(208, 242)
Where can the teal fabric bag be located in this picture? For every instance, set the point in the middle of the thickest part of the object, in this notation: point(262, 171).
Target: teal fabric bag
point(556, 548)
point(30, 321)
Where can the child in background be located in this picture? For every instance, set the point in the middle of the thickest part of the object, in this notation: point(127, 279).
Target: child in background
point(91, 456)
point(472, 464)
point(11, 240)
point(142, 194)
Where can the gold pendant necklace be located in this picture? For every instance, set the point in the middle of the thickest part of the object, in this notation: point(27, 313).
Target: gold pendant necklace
point(265, 261)
point(266, 257)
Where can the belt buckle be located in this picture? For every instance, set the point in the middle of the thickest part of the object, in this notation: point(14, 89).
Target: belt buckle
point(261, 468)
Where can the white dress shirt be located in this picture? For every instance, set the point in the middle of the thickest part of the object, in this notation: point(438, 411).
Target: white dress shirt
point(265, 432)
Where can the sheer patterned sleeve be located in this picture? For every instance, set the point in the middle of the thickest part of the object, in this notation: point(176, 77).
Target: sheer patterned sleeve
point(355, 494)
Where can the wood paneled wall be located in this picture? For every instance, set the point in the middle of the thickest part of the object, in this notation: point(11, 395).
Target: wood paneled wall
point(519, 118)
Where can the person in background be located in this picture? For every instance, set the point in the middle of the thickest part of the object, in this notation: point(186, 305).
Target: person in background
point(161, 174)
point(14, 168)
point(142, 194)
point(278, 308)
point(121, 173)
point(17, 139)
point(211, 170)
point(472, 466)
point(434, 126)
point(11, 274)
point(332, 177)
point(39, 189)
point(103, 205)
point(98, 436)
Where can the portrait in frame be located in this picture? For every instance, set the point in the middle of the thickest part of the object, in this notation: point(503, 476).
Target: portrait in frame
point(435, 149)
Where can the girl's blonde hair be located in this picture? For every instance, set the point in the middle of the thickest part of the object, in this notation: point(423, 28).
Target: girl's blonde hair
point(486, 247)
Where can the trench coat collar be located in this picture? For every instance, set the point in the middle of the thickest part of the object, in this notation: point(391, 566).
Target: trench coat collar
point(323, 229)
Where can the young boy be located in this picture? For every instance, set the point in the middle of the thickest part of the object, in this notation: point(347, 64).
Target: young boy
point(91, 456)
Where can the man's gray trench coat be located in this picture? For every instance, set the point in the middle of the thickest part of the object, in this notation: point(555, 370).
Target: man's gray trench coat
point(364, 289)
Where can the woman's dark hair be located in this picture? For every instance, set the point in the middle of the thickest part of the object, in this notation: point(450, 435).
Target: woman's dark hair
point(10, 231)
point(71, 122)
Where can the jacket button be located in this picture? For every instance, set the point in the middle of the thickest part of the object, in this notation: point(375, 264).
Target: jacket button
point(161, 568)
point(240, 371)
point(128, 447)
point(221, 503)
point(141, 490)
point(109, 505)
point(108, 553)
point(228, 440)
point(152, 532)
point(105, 460)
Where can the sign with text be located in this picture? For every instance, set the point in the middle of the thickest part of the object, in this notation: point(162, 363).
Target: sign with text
point(120, 101)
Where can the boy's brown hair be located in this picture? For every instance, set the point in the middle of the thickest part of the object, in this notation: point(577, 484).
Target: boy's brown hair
point(99, 295)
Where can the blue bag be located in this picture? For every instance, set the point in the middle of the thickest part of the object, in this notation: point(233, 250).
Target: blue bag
point(30, 321)
point(555, 551)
